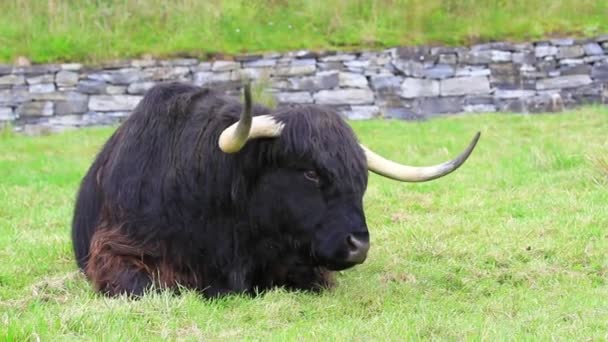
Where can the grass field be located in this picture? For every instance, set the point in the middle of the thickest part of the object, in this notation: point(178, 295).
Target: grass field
point(71, 30)
point(512, 246)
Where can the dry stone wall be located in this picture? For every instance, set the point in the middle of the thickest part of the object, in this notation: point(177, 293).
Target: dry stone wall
point(404, 83)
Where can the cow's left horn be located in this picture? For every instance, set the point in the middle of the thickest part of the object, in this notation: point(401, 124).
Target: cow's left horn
point(390, 169)
point(236, 135)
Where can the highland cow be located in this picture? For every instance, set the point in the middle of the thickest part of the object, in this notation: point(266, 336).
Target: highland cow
point(196, 190)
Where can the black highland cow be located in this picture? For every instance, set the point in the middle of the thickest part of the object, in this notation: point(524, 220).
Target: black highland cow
point(195, 189)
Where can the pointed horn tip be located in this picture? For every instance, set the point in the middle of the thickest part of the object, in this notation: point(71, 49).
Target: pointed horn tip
point(458, 161)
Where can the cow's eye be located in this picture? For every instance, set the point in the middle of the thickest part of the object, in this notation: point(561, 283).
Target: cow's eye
point(312, 175)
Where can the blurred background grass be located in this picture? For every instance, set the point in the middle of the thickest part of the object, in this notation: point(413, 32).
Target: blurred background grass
point(91, 31)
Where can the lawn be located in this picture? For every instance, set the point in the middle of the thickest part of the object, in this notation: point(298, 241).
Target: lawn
point(512, 246)
point(71, 30)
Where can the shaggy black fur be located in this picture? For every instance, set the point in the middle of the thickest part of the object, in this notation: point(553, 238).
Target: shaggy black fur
point(163, 205)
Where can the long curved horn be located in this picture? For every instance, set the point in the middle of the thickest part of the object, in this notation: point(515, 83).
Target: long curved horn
point(390, 169)
point(236, 135)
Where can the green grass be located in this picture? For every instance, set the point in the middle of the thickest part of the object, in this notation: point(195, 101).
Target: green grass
point(512, 246)
point(73, 30)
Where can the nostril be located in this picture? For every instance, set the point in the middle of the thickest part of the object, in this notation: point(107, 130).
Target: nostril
point(353, 243)
point(357, 245)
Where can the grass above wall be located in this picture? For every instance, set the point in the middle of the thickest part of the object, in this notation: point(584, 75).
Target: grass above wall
point(92, 31)
point(512, 246)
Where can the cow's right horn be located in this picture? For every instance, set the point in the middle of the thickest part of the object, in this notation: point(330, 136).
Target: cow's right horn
point(387, 168)
point(248, 127)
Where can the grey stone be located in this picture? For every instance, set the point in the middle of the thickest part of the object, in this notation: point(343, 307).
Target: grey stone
point(482, 57)
point(416, 87)
point(113, 103)
point(439, 105)
point(602, 38)
point(498, 46)
point(326, 66)
point(255, 73)
point(6, 97)
point(600, 72)
point(527, 57)
point(164, 73)
point(409, 68)
point(501, 56)
point(47, 78)
point(416, 53)
point(42, 88)
point(91, 87)
point(344, 96)
point(545, 103)
point(202, 78)
point(352, 80)
point(260, 63)
point(71, 66)
point(582, 69)
point(295, 70)
point(544, 51)
point(202, 66)
point(39, 69)
point(593, 49)
point(594, 59)
point(7, 114)
point(465, 86)
point(360, 63)
point(386, 83)
point(225, 65)
point(546, 66)
point(403, 113)
point(66, 78)
point(338, 58)
point(479, 108)
point(50, 96)
point(180, 62)
point(469, 71)
point(300, 62)
point(295, 97)
point(12, 79)
point(38, 108)
point(5, 69)
point(563, 82)
point(448, 58)
point(572, 61)
point(363, 112)
point(120, 76)
point(505, 76)
point(513, 94)
point(116, 90)
point(322, 80)
point(440, 71)
point(562, 41)
point(574, 51)
point(144, 63)
point(439, 50)
point(530, 72)
point(247, 57)
point(140, 88)
point(357, 64)
point(479, 100)
point(225, 77)
point(75, 103)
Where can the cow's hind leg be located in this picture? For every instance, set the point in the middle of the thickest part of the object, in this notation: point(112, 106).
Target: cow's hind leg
point(117, 265)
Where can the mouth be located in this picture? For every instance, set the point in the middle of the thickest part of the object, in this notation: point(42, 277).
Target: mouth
point(339, 266)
